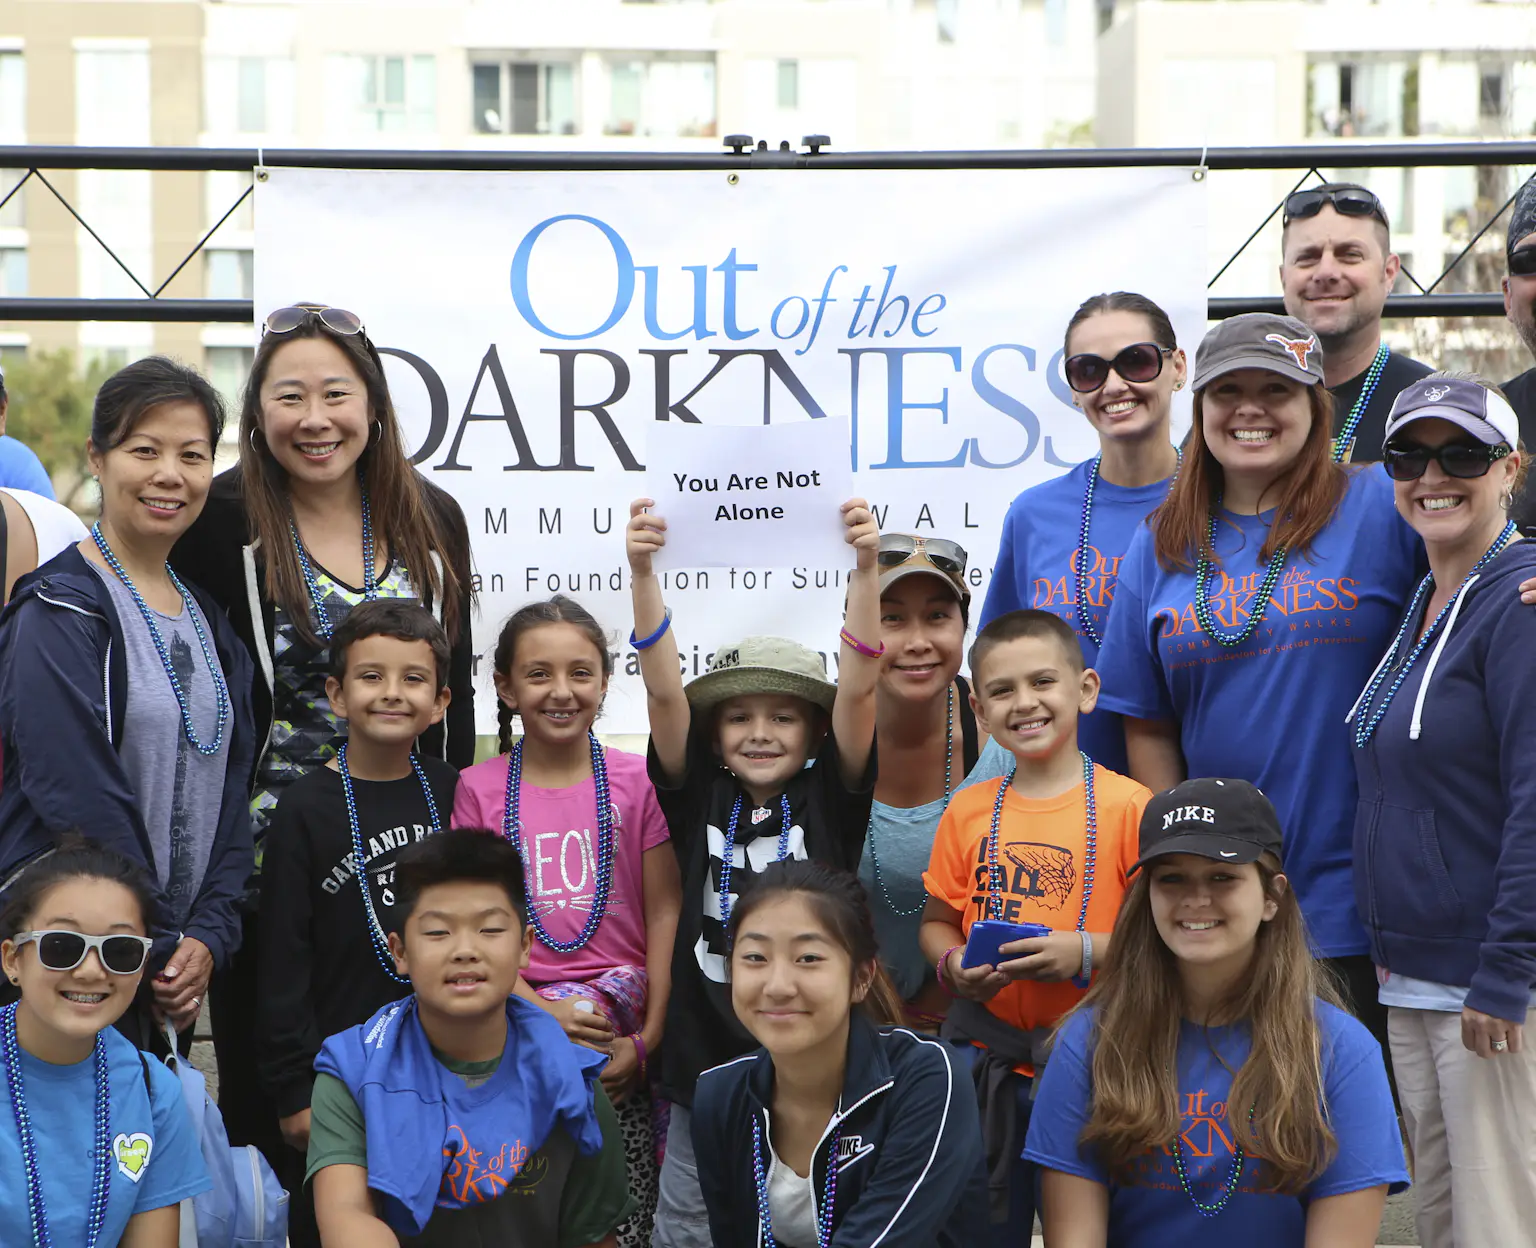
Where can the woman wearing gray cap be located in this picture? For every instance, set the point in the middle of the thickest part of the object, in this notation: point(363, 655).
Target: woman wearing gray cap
point(1445, 838)
point(1253, 607)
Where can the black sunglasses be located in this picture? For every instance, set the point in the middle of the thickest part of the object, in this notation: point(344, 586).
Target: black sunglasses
point(338, 320)
point(897, 548)
point(1408, 461)
point(1522, 262)
point(1349, 201)
point(1141, 361)
point(63, 951)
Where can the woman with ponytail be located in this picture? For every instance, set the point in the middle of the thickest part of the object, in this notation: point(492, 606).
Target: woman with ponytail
point(1209, 1090)
point(841, 1128)
point(602, 880)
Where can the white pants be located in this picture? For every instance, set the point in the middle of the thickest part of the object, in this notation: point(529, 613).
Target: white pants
point(1472, 1126)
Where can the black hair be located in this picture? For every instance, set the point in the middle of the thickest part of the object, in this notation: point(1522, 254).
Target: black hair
point(75, 858)
point(556, 610)
point(842, 905)
point(402, 618)
point(1013, 625)
point(127, 396)
point(457, 856)
point(1123, 301)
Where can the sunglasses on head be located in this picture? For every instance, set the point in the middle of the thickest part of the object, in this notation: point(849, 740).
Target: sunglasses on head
point(1141, 362)
point(337, 320)
point(897, 548)
point(1408, 461)
point(1349, 201)
point(1522, 262)
point(63, 951)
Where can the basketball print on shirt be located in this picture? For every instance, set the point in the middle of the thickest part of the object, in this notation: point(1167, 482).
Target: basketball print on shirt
point(1033, 872)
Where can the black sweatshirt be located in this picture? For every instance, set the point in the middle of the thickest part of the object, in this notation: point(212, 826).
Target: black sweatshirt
point(318, 972)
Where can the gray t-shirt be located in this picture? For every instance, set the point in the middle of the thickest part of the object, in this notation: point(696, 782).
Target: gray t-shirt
point(896, 854)
point(180, 790)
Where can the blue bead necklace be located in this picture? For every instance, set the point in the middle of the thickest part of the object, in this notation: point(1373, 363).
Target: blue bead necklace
point(869, 835)
point(996, 877)
point(730, 846)
point(1203, 613)
point(511, 829)
point(1079, 588)
point(1230, 1190)
point(828, 1197)
point(220, 689)
point(1346, 438)
point(101, 1158)
point(316, 598)
point(360, 862)
point(1369, 714)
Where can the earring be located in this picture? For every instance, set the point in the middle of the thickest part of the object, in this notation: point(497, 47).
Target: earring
point(1507, 500)
point(376, 434)
point(1178, 385)
point(253, 435)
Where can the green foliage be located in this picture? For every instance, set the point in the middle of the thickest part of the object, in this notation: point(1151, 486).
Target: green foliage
point(50, 410)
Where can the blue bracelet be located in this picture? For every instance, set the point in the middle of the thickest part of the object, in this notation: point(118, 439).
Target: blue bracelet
point(648, 642)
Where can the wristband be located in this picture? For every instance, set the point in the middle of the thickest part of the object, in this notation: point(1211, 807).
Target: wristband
point(858, 645)
point(938, 970)
point(1081, 979)
point(640, 1053)
point(648, 642)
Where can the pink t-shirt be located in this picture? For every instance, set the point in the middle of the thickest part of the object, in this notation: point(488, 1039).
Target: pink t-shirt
point(560, 859)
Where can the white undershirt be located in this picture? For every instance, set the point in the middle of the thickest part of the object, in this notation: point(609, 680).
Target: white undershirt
point(791, 1205)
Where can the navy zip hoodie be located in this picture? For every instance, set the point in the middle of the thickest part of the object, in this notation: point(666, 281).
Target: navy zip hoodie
point(910, 1169)
point(63, 701)
point(1445, 835)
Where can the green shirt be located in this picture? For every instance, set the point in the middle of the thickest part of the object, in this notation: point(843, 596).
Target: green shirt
point(584, 1197)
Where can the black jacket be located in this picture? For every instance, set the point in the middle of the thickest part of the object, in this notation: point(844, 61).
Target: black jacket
point(63, 702)
point(219, 553)
point(910, 1168)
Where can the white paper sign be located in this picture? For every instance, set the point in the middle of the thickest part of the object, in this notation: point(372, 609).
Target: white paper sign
point(766, 496)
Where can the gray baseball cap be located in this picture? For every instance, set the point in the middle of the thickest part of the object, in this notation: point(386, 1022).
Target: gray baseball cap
point(1280, 344)
point(763, 665)
point(1472, 407)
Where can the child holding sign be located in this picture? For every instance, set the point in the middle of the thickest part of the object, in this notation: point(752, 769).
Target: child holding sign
point(728, 757)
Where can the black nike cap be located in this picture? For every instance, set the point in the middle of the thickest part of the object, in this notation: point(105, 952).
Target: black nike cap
point(1228, 820)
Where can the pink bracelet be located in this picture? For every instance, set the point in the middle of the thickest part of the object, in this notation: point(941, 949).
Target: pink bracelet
point(938, 970)
point(858, 645)
point(640, 1053)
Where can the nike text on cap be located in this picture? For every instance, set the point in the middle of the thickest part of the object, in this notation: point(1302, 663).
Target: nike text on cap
point(1228, 820)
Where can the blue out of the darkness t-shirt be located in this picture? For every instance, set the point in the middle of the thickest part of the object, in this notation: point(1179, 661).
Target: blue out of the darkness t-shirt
point(1148, 1208)
point(1272, 710)
point(1034, 569)
point(155, 1156)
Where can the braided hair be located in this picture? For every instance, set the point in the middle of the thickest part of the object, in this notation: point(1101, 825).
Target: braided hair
point(556, 610)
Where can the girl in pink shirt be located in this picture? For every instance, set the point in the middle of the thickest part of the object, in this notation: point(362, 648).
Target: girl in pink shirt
point(602, 880)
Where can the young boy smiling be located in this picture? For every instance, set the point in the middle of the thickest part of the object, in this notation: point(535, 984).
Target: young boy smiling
point(324, 964)
point(462, 1114)
point(1053, 844)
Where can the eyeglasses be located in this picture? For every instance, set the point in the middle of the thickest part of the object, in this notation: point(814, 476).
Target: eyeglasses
point(1349, 201)
point(947, 556)
point(1141, 361)
point(1408, 461)
point(63, 951)
point(337, 320)
point(1522, 262)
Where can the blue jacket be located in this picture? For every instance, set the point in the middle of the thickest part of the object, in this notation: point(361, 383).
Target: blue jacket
point(1445, 835)
point(910, 1166)
point(63, 701)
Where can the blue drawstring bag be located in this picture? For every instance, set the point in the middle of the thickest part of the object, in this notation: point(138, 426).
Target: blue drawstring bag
point(247, 1207)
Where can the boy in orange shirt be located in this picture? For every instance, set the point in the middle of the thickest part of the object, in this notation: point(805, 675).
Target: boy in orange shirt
point(1050, 844)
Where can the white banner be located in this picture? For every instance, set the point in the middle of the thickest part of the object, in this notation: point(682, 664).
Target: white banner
point(536, 325)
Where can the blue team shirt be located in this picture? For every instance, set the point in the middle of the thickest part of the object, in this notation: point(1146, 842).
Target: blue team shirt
point(155, 1156)
point(1272, 711)
point(1034, 570)
point(21, 469)
point(1148, 1208)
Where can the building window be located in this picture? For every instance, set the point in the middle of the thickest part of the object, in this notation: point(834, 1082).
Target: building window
point(1490, 95)
point(248, 95)
point(525, 97)
point(13, 271)
point(14, 215)
point(1368, 97)
point(13, 96)
point(665, 97)
point(229, 274)
point(384, 94)
point(789, 84)
point(112, 96)
point(228, 368)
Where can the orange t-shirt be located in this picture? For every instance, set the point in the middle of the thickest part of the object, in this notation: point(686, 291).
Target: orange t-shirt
point(1041, 848)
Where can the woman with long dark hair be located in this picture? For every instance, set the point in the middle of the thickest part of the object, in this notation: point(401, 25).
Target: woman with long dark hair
point(840, 1128)
point(125, 694)
point(324, 511)
point(1208, 1090)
